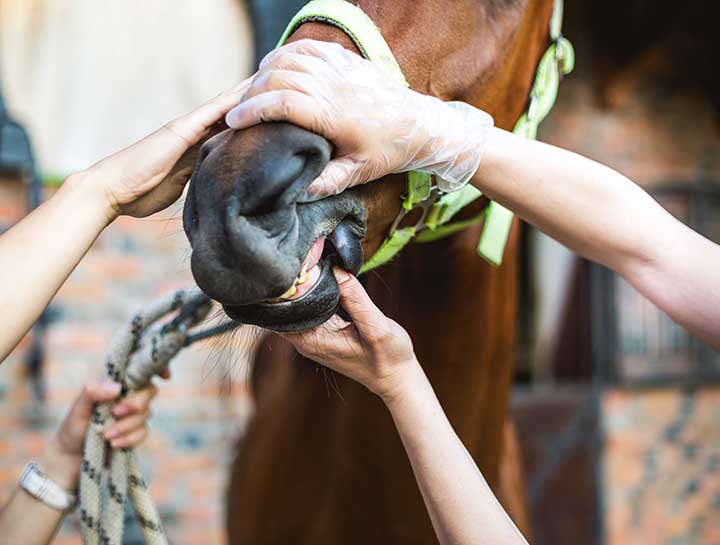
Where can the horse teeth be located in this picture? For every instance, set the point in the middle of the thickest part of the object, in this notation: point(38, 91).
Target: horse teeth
point(289, 293)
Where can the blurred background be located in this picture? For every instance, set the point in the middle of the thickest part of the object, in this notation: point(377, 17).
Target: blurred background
point(618, 410)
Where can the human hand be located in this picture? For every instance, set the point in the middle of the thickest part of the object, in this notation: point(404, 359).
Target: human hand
point(150, 175)
point(372, 350)
point(377, 125)
point(63, 456)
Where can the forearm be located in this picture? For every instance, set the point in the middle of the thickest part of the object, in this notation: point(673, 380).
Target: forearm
point(605, 217)
point(26, 519)
point(461, 505)
point(40, 252)
point(588, 207)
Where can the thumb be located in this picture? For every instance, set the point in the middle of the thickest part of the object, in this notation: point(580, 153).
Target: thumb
point(98, 392)
point(368, 319)
point(336, 177)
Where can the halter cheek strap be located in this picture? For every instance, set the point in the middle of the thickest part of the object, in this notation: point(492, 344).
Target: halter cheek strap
point(439, 208)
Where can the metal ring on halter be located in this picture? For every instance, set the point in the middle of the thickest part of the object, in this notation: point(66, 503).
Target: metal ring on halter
point(425, 205)
point(559, 53)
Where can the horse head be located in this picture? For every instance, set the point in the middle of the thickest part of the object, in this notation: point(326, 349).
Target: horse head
point(266, 256)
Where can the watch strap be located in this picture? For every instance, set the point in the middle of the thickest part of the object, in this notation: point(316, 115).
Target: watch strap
point(43, 488)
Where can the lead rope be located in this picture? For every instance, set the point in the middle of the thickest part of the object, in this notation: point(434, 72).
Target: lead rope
point(140, 350)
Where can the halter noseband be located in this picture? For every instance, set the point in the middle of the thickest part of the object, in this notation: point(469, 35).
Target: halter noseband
point(439, 208)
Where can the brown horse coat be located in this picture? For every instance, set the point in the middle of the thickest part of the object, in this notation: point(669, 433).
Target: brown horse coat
point(321, 462)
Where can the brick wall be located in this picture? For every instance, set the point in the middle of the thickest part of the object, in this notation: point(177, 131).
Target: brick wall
point(197, 414)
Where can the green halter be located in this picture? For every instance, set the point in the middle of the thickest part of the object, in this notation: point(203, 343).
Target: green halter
point(439, 208)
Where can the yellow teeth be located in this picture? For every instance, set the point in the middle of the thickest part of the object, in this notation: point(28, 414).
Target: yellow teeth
point(301, 279)
point(289, 293)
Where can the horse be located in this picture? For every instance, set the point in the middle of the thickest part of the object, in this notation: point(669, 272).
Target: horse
point(321, 461)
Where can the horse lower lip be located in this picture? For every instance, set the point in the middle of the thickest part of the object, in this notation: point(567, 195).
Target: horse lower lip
point(311, 310)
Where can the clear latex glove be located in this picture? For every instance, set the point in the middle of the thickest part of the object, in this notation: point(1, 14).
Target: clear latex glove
point(378, 126)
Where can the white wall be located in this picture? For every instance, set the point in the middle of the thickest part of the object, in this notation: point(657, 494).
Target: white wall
point(88, 77)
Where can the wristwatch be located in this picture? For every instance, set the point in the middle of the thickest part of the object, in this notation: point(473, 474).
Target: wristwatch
point(40, 486)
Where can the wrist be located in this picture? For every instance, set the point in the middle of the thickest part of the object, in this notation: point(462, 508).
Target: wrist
point(91, 195)
point(61, 467)
point(454, 138)
point(397, 385)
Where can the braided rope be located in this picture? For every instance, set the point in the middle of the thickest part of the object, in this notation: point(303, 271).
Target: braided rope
point(109, 476)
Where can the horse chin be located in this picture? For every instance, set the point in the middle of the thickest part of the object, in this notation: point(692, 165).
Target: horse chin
point(306, 312)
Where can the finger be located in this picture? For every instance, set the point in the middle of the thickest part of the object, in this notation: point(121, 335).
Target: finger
point(367, 318)
point(291, 106)
point(308, 343)
point(137, 402)
point(75, 423)
point(126, 425)
point(191, 127)
point(93, 393)
point(279, 80)
point(337, 176)
point(327, 340)
point(295, 62)
point(131, 439)
point(315, 48)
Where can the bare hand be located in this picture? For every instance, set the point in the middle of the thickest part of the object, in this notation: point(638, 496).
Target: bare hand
point(373, 350)
point(150, 175)
point(64, 453)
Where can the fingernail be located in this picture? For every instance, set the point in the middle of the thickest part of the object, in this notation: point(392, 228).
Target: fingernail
point(120, 410)
point(232, 116)
point(110, 434)
point(109, 388)
point(341, 276)
point(309, 196)
point(116, 443)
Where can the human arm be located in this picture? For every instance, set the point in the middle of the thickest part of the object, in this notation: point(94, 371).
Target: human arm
point(27, 520)
point(603, 216)
point(378, 127)
point(40, 251)
point(375, 351)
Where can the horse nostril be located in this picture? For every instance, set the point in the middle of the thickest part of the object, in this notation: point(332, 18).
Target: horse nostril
point(191, 220)
point(205, 150)
point(280, 174)
point(210, 144)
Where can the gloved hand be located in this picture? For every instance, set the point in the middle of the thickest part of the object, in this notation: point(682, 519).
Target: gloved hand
point(378, 126)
